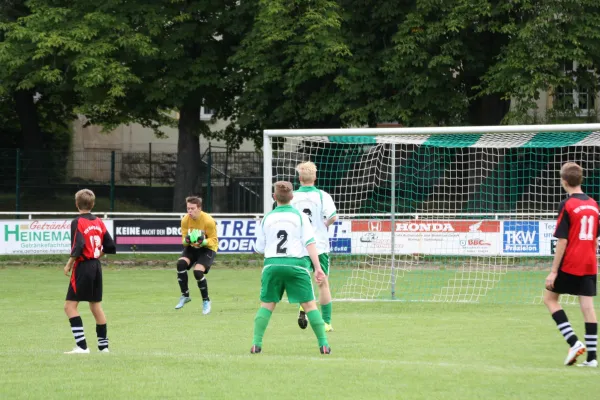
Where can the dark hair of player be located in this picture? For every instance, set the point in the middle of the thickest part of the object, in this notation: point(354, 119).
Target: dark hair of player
point(283, 192)
point(194, 200)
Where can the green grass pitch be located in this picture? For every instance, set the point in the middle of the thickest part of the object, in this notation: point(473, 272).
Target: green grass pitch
point(393, 350)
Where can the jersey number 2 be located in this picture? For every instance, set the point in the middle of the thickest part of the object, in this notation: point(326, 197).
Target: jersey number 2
point(587, 228)
point(282, 236)
point(96, 242)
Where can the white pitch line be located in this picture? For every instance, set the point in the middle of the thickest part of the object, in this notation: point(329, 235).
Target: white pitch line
point(294, 359)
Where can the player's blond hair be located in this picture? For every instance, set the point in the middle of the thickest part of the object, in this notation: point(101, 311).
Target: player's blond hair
point(85, 199)
point(572, 173)
point(307, 172)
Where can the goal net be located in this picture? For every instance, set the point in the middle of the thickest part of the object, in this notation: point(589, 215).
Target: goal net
point(435, 215)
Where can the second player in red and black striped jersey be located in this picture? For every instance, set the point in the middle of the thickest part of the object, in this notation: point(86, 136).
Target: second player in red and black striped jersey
point(578, 223)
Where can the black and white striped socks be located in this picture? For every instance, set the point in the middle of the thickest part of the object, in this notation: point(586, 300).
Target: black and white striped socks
point(77, 329)
point(591, 339)
point(564, 326)
point(102, 338)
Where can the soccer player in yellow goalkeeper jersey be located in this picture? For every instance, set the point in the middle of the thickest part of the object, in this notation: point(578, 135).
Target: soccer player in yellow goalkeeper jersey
point(200, 245)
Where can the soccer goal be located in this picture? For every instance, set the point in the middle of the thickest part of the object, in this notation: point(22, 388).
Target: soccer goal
point(459, 214)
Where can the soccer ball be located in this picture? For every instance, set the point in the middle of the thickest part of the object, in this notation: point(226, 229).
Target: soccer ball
point(196, 236)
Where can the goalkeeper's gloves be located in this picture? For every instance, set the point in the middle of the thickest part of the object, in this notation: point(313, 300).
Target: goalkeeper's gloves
point(187, 239)
point(198, 236)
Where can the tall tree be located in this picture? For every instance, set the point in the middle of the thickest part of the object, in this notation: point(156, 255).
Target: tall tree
point(20, 98)
point(138, 62)
point(194, 39)
point(553, 45)
point(417, 63)
point(441, 52)
point(289, 64)
point(36, 114)
point(426, 62)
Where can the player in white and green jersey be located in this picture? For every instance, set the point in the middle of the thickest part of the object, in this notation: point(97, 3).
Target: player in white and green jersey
point(320, 209)
point(286, 238)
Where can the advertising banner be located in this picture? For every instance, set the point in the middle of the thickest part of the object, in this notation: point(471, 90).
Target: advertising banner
point(236, 235)
point(452, 237)
point(147, 236)
point(547, 239)
point(340, 237)
point(38, 236)
point(358, 236)
point(521, 237)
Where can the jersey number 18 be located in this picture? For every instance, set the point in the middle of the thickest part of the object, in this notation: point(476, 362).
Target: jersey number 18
point(96, 243)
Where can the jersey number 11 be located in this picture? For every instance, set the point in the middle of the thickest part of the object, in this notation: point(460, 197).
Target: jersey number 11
point(587, 228)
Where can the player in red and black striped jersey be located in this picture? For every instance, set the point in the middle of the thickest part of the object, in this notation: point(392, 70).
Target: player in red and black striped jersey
point(89, 241)
point(575, 266)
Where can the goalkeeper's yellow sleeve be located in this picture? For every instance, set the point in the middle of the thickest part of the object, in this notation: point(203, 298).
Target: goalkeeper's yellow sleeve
point(184, 229)
point(212, 241)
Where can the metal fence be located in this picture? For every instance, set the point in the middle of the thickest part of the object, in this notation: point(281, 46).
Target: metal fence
point(126, 181)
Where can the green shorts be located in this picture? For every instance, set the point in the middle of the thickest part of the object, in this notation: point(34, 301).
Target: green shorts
point(324, 261)
point(284, 274)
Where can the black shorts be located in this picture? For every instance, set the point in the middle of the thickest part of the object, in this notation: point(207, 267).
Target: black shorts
point(566, 283)
point(202, 255)
point(86, 282)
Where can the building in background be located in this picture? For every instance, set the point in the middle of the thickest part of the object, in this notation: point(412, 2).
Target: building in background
point(90, 145)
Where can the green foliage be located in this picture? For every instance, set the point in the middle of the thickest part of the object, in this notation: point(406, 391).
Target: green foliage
point(419, 63)
point(56, 130)
point(136, 61)
point(283, 64)
point(377, 61)
point(435, 56)
point(22, 70)
point(70, 45)
point(545, 37)
point(77, 48)
point(129, 62)
point(290, 65)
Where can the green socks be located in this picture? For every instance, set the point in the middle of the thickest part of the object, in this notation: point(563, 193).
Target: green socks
point(261, 320)
point(316, 323)
point(326, 311)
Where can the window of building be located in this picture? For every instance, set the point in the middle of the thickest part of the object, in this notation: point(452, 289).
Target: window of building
point(206, 113)
point(582, 95)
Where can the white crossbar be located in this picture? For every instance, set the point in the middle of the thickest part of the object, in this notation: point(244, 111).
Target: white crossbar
point(434, 130)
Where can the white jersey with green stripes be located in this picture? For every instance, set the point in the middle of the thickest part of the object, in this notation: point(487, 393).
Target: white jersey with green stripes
point(319, 207)
point(284, 232)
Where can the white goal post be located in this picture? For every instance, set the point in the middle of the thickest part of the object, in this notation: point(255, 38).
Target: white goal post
point(458, 214)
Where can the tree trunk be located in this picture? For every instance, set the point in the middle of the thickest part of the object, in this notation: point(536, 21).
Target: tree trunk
point(28, 118)
point(187, 173)
point(36, 170)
